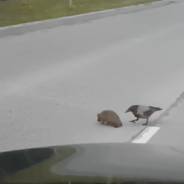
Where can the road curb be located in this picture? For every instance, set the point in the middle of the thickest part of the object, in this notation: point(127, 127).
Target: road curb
point(39, 25)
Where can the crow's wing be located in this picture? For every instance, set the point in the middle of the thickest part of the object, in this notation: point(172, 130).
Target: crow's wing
point(142, 108)
point(149, 112)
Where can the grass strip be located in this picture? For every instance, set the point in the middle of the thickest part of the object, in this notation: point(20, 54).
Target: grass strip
point(14, 12)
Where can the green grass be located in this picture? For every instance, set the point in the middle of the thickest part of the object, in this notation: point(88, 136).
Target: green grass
point(14, 12)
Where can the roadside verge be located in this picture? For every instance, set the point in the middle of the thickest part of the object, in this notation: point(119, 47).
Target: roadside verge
point(39, 25)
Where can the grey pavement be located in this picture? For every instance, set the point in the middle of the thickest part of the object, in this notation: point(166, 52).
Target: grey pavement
point(53, 82)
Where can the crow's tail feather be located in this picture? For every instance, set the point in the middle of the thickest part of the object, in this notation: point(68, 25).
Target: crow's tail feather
point(155, 108)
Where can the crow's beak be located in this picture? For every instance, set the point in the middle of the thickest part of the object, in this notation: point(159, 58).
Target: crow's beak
point(127, 111)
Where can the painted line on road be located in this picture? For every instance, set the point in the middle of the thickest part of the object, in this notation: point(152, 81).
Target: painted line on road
point(146, 134)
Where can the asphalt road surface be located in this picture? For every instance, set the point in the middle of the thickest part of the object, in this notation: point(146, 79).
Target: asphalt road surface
point(171, 126)
point(54, 82)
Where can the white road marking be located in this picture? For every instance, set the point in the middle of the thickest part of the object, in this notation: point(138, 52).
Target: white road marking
point(146, 135)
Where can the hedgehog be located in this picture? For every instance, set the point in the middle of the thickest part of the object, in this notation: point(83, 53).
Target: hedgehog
point(109, 117)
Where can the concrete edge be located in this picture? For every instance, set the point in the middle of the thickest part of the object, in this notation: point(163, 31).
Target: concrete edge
point(140, 137)
point(158, 120)
point(169, 109)
point(70, 20)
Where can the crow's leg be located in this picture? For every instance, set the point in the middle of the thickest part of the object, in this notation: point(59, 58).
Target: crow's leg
point(146, 122)
point(133, 121)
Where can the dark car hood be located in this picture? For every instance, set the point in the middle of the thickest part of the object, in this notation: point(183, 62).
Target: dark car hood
point(119, 161)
